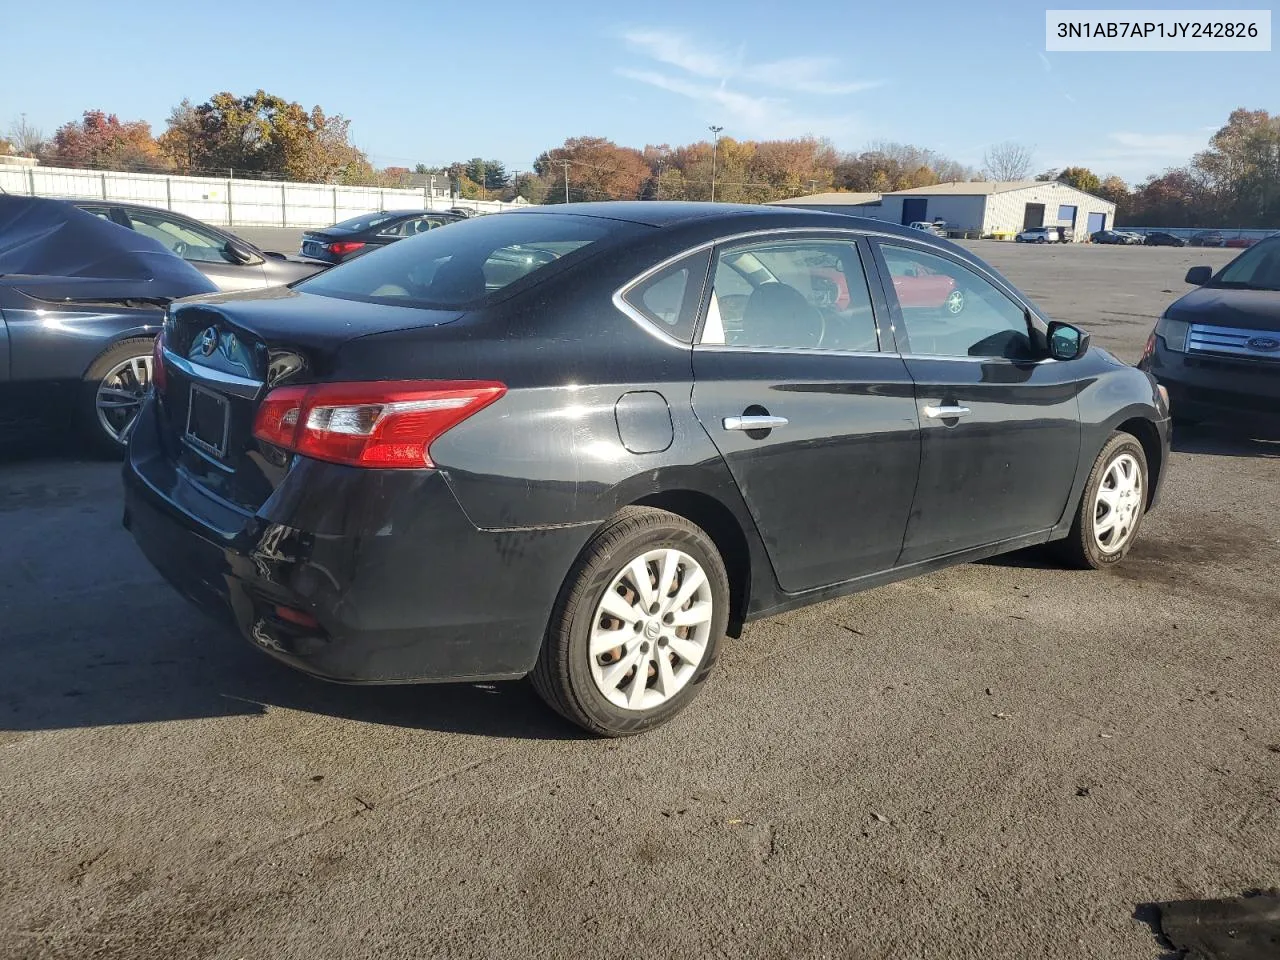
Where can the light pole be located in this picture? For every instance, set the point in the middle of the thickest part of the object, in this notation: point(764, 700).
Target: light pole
point(715, 145)
point(566, 178)
point(657, 193)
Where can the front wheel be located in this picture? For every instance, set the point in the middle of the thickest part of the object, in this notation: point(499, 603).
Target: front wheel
point(638, 624)
point(1111, 508)
point(112, 394)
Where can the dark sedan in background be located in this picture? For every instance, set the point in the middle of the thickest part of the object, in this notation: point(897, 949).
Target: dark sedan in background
point(1208, 238)
point(360, 235)
point(81, 301)
point(1217, 349)
point(448, 460)
point(1114, 237)
point(1159, 238)
point(231, 262)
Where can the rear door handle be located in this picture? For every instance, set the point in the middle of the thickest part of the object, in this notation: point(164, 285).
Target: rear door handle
point(945, 412)
point(754, 423)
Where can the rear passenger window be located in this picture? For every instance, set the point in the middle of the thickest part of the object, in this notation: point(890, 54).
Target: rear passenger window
point(669, 299)
point(791, 294)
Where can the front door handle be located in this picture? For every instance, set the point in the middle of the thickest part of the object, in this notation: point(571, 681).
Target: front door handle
point(754, 423)
point(945, 412)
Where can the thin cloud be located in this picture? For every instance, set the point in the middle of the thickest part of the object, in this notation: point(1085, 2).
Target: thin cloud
point(752, 97)
point(1136, 155)
point(1048, 67)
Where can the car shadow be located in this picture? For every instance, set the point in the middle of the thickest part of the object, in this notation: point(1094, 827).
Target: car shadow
point(1226, 441)
point(120, 675)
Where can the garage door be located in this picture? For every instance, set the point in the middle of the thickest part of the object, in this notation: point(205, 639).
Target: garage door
point(913, 210)
point(1097, 221)
point(1067, 214)
point(1034, 216)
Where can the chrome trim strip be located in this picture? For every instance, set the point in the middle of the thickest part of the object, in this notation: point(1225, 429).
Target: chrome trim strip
point(803, 351)
point(850, 234)
point(239, 386)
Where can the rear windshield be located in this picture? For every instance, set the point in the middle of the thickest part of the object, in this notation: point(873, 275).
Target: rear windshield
point(364, 222)
point(463, 265)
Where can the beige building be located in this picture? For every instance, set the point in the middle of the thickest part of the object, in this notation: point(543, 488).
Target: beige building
point(987, 207)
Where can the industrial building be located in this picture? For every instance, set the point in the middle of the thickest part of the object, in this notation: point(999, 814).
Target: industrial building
point(983, 207)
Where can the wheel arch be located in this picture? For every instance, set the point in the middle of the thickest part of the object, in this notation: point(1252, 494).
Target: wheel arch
point(720, 524)
point(1146, 433)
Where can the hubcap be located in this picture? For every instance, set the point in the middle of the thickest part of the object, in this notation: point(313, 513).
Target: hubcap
point(120, 395)
point(651, 629)
point(955, 302)
point(1119, 503)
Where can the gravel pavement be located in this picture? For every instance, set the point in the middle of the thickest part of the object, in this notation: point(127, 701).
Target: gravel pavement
point(1002, 760)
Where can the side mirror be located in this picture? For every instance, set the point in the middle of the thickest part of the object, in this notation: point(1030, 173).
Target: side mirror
point(1067, 342)
point(1199, 275)
point(239, 253)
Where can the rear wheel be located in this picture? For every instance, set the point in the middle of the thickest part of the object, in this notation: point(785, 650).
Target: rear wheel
point(638, 624)
point(955, 302)
point(1111, 508)
point(112, 394)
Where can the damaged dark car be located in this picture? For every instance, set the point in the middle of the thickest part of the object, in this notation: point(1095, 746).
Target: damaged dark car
point(81, 301)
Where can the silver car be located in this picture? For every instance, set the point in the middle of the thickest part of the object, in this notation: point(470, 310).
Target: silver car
point(231, 262)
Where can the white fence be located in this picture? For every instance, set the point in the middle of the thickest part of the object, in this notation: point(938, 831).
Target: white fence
point(233, 202)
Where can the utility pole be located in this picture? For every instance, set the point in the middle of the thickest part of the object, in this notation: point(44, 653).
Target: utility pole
point(565, 163)
point(715, 146)
point(657, 193)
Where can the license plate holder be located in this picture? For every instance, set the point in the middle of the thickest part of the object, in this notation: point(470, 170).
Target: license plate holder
point(208, 421)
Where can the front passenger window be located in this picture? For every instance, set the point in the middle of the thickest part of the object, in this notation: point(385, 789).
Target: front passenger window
point(949, 310)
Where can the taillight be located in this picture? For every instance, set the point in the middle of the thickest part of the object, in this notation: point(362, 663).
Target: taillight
point(159, 378)
point(341, 248)
point(386, 424)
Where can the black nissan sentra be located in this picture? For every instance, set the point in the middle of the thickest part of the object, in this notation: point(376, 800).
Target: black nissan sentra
point(583, 443)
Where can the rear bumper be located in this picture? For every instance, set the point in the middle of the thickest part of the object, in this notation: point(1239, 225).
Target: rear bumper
point(399, 586)
point(1208, 388)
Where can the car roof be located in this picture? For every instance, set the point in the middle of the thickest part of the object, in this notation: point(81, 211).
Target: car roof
point(741, 216)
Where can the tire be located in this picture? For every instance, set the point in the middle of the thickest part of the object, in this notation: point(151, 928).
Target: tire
point(578, 684)
point(1084, 548)
point(124, 369)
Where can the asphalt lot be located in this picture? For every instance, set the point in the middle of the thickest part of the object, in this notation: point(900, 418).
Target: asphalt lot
point(1002, 760)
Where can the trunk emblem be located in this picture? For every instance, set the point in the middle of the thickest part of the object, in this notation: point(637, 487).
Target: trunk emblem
point(1264, 343)
point(209, 341)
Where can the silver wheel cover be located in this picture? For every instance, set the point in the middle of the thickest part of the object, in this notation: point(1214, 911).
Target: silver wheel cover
point(1118, 504)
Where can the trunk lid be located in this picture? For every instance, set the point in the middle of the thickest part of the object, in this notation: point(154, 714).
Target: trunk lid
point(224, 354)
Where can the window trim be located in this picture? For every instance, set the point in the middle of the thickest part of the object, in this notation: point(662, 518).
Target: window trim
point(1031, 316)
point(693, 298)
point(868, 240)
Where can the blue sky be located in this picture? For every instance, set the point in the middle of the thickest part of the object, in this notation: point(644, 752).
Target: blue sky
point(435, 82)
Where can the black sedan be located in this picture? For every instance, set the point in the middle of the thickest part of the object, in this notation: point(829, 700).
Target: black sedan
point(1159, 238)
point(1217, 349)
point(1111, 237)
point(361, 235)
point(428, 465)
point(231, 262)
point(81, 302)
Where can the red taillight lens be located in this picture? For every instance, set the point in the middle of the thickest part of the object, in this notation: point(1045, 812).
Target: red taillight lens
point(159, 378)
point(341, 248)
point(387, 424)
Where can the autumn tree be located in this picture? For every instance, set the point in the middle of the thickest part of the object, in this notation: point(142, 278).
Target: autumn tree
point(102, 141)
point(1007, 161)
point(1082, 178)
point(599, 169)
point(265, 135)
point(530, 186)
point(883, 167)
point(1115, 190)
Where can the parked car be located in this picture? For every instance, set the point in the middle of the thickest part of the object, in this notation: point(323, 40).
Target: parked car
point(1161, 239)
point(667, 430)
point(81, 302)
point(359, 235)
point(1208, 238)
point(938, 230)
point(1241, 243)
point(1111, 237)
point(1038, 235)
point(1217, 349)
point(231, 262)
